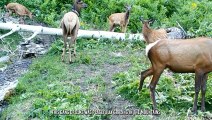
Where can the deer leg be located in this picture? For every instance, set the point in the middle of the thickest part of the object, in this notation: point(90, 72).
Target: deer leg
point(75, 32)
point(203, 91)
point(74, 44)
point(156, 75)
point(69, 49)
point(112, 27)
point(64, 49)
point(21, 20)
point(198, 78)
point(8, 14)
point(123, 28)
point(144, 74)
point(75, 48)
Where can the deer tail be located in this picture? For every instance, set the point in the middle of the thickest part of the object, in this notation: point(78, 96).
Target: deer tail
point(69, 24)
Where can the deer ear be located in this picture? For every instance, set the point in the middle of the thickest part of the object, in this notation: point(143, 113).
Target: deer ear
point(150, 21)
point(141, 19)
point(78, 1)
point(128, 6)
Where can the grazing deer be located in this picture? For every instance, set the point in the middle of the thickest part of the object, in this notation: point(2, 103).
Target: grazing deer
point(70, 25)
point(18, 9)
point(121, 19)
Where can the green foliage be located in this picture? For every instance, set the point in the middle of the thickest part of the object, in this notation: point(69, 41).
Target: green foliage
point(56, 47)
point(130, 91)
point(51, 90)
point(52, 10)
point(120, 78)
point(49, 83)
point(53, 85)
point(85, 59)
point(194, 16)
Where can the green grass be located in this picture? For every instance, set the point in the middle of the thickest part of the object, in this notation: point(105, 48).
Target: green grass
point(53, 85)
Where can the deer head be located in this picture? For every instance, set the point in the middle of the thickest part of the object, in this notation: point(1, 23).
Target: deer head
point(78, 5)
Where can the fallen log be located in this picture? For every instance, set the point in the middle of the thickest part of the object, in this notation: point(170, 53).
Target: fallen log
point(58, 31)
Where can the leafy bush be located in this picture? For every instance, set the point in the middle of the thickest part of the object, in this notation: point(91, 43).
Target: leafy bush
point(56, 47)
point(194, 16)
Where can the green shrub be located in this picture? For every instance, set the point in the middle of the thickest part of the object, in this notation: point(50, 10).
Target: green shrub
point(194, 16)
point(56, 47)
point(85, 59)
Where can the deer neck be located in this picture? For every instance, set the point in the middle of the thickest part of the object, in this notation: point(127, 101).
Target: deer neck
point(146, 33)
point(127, 15)
point(76, 10)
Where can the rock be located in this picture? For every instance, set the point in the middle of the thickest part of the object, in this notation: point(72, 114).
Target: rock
point(4, 59)
point(32, 49)
point(40, 49)
point(43, 52)
point(175, 33)
point(3, 68)
point(28, 46)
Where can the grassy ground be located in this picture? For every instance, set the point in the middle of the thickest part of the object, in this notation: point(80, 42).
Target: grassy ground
point(105, 75)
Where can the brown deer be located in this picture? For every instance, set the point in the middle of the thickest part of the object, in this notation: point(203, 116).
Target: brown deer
point(70, 25)
point(121, 19)
point(18, 9)
point(180, 56)
point(151, 35)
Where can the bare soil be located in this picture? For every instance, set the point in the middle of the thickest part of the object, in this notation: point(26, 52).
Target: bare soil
point(106, 99)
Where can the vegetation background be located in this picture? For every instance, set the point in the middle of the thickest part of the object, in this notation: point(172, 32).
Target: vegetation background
point(47, 85)
point(194, 15)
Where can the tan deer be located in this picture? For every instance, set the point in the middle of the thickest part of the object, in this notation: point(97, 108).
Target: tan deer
point(152, 35)
point(70, 25)
point(18, 9)
point(121, 19)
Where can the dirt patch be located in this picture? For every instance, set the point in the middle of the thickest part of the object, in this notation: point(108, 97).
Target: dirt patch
point(106, 99)
point(114, 100)
point(8, 79)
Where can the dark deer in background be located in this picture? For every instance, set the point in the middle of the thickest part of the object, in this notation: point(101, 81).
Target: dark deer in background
point(70, 25)
point(180, 56)
point(121, 19)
